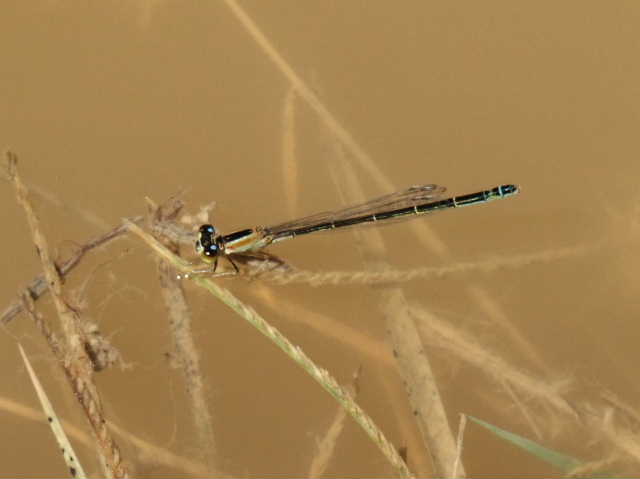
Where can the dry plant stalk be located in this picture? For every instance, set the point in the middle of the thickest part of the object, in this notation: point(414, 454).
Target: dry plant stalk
point(341, 133)
point(289, 160)
point(462, 425)
point(38, 286)
point(69, 455)
point(423, 232)
point(327, 446)
point(597, 418)
point(294, 352)
point(414, 365)
point(390, 276)
point(145, 451)
point(337, 331)
point(462, 345)
point(186, 353)
point(76, 363)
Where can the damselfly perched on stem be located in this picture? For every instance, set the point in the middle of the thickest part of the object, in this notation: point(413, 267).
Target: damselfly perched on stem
point(248, 244)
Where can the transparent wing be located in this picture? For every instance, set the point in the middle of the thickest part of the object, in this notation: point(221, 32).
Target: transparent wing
point(409, 197)
point(400, 199)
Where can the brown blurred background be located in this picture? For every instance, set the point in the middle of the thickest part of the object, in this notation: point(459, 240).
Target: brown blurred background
point(108, 102)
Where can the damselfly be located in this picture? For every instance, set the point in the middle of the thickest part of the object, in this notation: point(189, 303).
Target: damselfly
point(414, 201)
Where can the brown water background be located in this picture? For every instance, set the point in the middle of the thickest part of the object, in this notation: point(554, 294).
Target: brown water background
point(108, 102)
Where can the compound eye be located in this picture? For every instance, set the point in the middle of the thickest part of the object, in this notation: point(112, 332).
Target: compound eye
point(212, 250)
point(209, 229)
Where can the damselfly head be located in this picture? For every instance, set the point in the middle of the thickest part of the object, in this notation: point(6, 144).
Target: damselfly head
point(206, 244)
point(508, 190)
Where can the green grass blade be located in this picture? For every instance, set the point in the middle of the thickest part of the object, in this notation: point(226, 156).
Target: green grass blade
point(556, 459)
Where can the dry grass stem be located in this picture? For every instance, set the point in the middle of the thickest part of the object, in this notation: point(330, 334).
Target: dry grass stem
point(146, 452)
point(595, 469)
point(69, 455)
point(294, 352)
point(389, 276)
point(492, 310)
point(625, 411)
point(289, 159)
point(43, 327)
point(422, 230)
point(186, 354)
point(329, 327)
point(410, 439)
point(88, 216)
point(77, 365)
point(462, 425)
point(453, 339)
point(361, 344)
point(601, 418)
point(38, 286)
point(420, 382)
point(414, 365)
point(531, 419)
point(327, 446)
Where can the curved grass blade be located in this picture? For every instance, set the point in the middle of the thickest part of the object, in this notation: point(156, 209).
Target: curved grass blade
point(70, 457)
point(557, 459)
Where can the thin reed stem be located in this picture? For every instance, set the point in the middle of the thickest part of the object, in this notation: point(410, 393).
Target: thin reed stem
point(411, 356)
point(180, 324)
point(76, 363)
point(38, 286)
point(391, 276)
point(294, 352)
